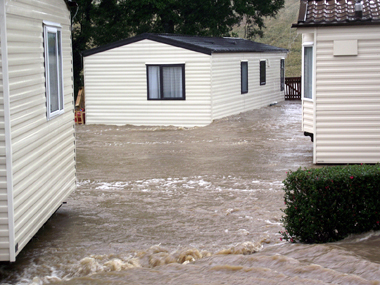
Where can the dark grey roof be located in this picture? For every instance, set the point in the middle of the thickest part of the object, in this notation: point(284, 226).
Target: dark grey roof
point(70, 3)
point(337, 13)
point(207, 45)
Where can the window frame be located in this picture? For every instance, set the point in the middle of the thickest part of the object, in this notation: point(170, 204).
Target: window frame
point(244, 89)
point(263, 73)
point(282, 74)
point(161, 93)
point(311, 70)
point(50, 27)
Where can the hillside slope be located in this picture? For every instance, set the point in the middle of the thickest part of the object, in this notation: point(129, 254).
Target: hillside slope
point(278, 32)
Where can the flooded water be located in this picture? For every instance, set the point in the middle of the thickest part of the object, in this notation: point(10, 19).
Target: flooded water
point(166, 205)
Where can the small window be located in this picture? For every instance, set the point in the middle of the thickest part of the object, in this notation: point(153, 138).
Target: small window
point(166, 82)
point(244, 76)
point(282, 74)
point(308, 72)
point(53, 70)
point(263, 71)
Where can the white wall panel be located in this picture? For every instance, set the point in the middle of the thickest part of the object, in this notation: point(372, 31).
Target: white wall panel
point(348, 97)
point(116, 87)
point(226, 82)
point(308, 116)
point(43, 152)
point(4, 226)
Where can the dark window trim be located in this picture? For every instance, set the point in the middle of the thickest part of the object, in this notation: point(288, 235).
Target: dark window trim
point(161, 81)
point(244, 89)
point(263, 76)
point(282, 74)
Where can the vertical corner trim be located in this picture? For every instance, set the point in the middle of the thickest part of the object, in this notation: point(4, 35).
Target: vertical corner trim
point(7, 130)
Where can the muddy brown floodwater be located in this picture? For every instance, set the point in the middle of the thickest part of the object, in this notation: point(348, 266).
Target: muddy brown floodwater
point(166, 205)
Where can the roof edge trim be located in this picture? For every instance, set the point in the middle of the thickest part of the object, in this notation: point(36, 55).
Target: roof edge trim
point(146, 36)
point(340, 24)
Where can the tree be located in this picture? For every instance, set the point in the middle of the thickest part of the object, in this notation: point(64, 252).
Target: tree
point(82, 35)
point(104, 21)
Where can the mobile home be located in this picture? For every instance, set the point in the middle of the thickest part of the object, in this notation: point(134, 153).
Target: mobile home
point(37, 146)
point(168, 79)
point(341, 79)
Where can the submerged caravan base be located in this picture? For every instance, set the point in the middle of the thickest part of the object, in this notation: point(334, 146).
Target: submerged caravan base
point(168, 79)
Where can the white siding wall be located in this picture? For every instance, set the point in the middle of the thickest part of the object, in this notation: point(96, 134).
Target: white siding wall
point(348, 97)
point(308, 116)
point(4, 227)
point(43, 152)
point(226, 82)
point(116, 86)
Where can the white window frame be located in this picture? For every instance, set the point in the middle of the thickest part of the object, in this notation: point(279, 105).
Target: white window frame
point(55, 28)
point(308, 45)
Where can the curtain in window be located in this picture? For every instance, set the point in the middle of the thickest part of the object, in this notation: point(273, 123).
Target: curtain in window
point(154, 82)
point(53, 71)
point(172, 82)
point(308, 72)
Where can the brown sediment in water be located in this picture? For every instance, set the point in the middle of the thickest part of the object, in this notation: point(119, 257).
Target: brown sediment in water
point(166, 205)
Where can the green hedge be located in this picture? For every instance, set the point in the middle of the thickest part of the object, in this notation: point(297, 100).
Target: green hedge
point(327, 204)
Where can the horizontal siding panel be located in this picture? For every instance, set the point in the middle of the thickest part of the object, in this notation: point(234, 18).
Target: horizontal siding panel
point(42, 9)
point(47, 205)
point(351, 124)
point(33, 170)
point(29, 141)
point(4, 245)
point(42, 188)
point(343, 107)
point(4, 255)
point(34, 138)
point(226, 83)
point(348, 97)
point(116, 86)
point(65, 140)
point(27, 69)
point(308, 116)
point(4, 233)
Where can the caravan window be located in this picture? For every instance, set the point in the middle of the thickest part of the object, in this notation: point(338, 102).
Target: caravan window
point(308, 72)
point(282, 74)
point(263, 72)
point(53, 70)
point(166, 82)
point(244, 76)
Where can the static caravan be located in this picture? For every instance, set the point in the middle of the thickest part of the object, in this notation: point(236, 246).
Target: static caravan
point(168, 79)
point(37, 146)
point(341, 79)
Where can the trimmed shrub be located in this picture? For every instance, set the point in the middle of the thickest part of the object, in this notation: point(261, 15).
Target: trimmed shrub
point(327, 204)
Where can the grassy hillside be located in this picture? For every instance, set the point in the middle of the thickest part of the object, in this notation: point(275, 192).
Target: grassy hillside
point(278, 32)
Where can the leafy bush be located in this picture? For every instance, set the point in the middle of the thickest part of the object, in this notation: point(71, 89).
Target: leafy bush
point(327, 204)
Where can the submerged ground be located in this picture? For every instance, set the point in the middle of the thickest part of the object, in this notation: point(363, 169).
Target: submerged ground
point(166, 205)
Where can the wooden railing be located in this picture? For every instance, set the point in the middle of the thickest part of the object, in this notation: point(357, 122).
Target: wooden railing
point(293, 88)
